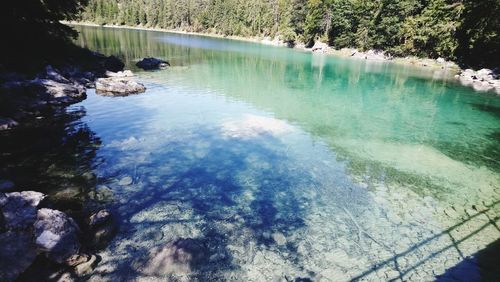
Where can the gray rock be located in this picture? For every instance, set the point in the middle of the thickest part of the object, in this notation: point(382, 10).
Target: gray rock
point(56, 235)
point(19, 209)
point(7, 123)
point(99, 218)
point(152, 64)
point(17, 253)
point(6, 185)
point(87, 267)
point(117, 86)
point(59, 90)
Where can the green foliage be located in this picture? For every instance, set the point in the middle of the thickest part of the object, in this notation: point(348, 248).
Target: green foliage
point(454, 29)
point(479, 34)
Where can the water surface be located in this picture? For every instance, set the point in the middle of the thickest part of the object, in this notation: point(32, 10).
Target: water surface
point(270, 163)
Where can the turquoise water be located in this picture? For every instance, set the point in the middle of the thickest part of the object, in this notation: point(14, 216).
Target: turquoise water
point(276, 164)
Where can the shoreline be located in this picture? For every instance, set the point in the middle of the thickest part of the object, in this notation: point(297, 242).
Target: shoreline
point(324, 49)
point(483, 83)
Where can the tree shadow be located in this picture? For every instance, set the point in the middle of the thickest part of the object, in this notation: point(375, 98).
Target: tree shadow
point(455, 245)
point(235, 196)
point(54, 155)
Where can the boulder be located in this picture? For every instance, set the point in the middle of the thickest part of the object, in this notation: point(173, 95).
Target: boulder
point(116, 86)
point(440, 60)
point(19, 209)
point(7, 123)
point(152, 64)
point(56, 235)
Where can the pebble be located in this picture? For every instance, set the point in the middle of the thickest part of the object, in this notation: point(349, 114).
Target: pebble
point(279, 238)
point(86, 267)
point(127, 180)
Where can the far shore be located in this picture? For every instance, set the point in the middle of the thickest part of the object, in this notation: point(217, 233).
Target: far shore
point(449, 66)
point(483, 80)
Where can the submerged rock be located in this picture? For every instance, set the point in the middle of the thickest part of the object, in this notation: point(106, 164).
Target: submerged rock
point(127, 180)
point(152, 64)
point(177, 258)
point(118, 86)
point(99, 218)
point(56, 235)
point(86, 268)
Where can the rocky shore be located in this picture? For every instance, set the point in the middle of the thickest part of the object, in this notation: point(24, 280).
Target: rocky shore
point(30, 229)
point(484, 80)
point(24, 98)
point(35, 227)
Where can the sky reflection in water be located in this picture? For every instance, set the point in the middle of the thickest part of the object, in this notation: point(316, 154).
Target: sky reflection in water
point(280, 164)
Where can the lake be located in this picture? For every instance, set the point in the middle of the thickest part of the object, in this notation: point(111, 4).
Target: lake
point(249, 162)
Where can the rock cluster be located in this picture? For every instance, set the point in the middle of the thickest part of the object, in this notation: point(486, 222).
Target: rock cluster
point(24, 98)
point(482, 80)
point(27, 230)
point(152, 64)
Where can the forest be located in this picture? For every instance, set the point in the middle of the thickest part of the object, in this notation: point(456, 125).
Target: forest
point(466, 31)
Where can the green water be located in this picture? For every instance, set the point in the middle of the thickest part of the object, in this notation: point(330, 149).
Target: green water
point(284, 164)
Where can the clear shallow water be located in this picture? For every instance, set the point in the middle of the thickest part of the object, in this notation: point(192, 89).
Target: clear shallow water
point(280, 164)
